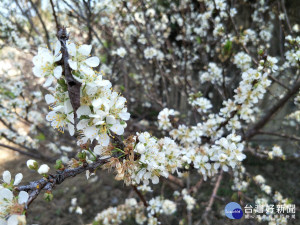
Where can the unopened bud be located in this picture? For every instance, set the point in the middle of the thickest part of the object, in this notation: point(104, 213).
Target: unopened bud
point(48, 196)
point(43, 169)
point(32, 164)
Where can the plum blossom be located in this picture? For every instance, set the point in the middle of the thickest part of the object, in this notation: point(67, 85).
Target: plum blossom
point(45, 64)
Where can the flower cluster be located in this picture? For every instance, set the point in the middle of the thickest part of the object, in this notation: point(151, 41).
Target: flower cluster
point(276, 152)
point(157, 158)
point(272, 199)
point(213, 74)
point(102, 110)
point(164, 122)
point(12, 207)
point(228, 151)
point(202, 104)
point(45, 64)
point(117, 215)
point(251, 89)
point(189, 200)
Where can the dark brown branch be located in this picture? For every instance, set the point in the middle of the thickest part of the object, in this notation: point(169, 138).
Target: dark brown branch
point(291, 137)
point(286, 16)
point(25, 13)
point(212, 197)
point(73, 85)
point(175, 180)
point(271, 112)
point(141, 196)
point(278, 82)
point(36, 156)
point(35, 187)
point(42, 22)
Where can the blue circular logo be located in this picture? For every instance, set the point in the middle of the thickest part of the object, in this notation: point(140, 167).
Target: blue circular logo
point(233, 210)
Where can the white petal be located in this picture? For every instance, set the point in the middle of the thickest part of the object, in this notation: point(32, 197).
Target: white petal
point(36, 60)
point(50, 116)
point(104, 140)
point(83, 110)
point(91, 132)
point(37, 71)
point(110, 119)
point(57, 48)
point(155, 180)
point(216, 166)
point(97, 102)
point(57, 72)
point(23, 197)
point(3, 222)
point(59, 108)
point(225, 168)
point(82, 124)
point(72, 64)
point(87, 70)
point(87, 174)
point(92, 61)
point(240, 156)
point(124, 115)
point(118, 129)
point(6, 177)
point(120, 102)
point(71, 129)
point(18, 178)
point(58, 57)
point(147, 176)
point(85, 49)
point(49, 99)
point(13, 220)
point(91, 90)
point(78, 79)
point(6, 194)
point(71, 49)
point(141, 173)
point(48, 81)
point(103, 83)
point(98, 150)
point(68, 106)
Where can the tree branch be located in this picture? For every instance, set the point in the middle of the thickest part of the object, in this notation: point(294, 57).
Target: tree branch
point(35, 187)
point(36, 156)
point(55, 16)
point(291, 137)
point(73, 85)
point(42, 22)
point(212, 197)
point(270, 113)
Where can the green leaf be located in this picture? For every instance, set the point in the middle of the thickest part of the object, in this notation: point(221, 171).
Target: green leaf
point(198, 40)
point(58, 164)
point(63, 84)
point(227, 47)
point(103, 58)
point(40, 137)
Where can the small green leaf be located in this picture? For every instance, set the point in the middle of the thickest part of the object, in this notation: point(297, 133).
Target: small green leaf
point(40, 137)
point(198, 40)
point(227, 47)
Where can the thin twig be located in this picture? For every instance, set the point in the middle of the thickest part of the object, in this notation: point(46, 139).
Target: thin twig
point(21, 151)
point(55, 16)
point(35, 187)
point(270, 113)
point(141, 196)
point(212, 197)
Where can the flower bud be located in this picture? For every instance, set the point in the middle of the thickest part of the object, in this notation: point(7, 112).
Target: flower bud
point(43, 169)
point(48, 196)
point(32, 164)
